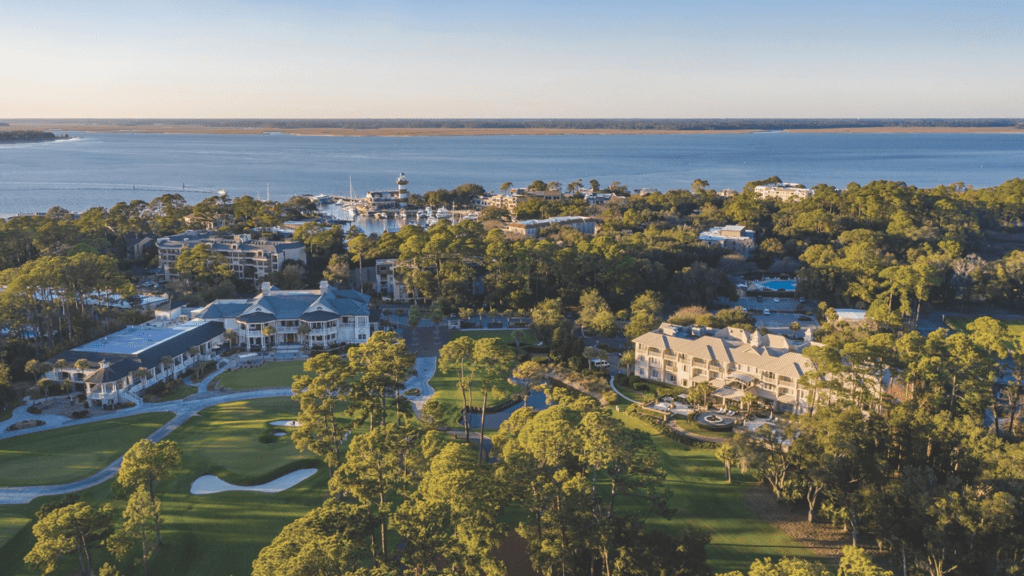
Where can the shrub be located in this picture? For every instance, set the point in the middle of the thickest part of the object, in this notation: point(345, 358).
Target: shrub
point(79, 414)
point(35, 410)
point(81, 397)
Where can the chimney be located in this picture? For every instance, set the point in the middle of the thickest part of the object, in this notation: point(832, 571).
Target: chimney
point(266, 288)
point(325, 287)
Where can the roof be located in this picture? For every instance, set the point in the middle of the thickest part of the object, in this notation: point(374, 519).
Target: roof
point(731, 345)
point(318, 316)
point(223, 309)
point(278, 304)
point(141, 346)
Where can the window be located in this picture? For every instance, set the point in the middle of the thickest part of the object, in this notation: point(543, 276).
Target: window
point(785, 379)
point(655, 374)
point(672, 378)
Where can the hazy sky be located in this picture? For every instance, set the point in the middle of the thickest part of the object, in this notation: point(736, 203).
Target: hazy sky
point(511, 59)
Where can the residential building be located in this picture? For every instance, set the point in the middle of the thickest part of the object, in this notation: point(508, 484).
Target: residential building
point(784, 191)
point(532, 228)
point(249, 259)
point(732, 360)
point(119, 367)
point(321, 318)
point(735, 238)
point(387, 284)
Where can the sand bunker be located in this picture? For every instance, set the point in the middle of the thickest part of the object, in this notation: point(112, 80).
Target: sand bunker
point(279, 433)
point(289, 423)
point(210, 484)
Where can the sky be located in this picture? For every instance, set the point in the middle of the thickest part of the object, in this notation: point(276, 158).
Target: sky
point(511, 59)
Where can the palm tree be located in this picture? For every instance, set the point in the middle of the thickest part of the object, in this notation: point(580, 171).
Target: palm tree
point(303, 332)
point(701, 390)
point(268, 332)
point(60, 365)
point(167, 362)
point(749, 398)
point(794, 326)
point(231, 336)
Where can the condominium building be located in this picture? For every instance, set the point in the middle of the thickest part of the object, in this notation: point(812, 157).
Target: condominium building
point(532, 228)
point(321, 318)
point(735, 238)
point(784, 191)
point(732, 360)
point(249, 259)
point(387, 284)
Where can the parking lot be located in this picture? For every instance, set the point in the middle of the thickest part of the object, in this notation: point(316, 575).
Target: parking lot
point(782, 312)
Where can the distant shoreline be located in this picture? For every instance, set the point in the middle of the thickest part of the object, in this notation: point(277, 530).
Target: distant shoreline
point(514, 127)
point(400, 132)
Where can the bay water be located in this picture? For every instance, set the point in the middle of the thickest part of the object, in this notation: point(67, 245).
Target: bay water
point(101, 169)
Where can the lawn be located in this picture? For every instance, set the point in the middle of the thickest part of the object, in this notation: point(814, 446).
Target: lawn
point(702, 498)
point(208, 534)
point(270, 375)
point(67, 454)
point(1015, 327)
point(179, 392)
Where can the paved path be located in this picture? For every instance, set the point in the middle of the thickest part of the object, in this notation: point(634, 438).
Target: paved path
point(182, 409)
point(425, 368)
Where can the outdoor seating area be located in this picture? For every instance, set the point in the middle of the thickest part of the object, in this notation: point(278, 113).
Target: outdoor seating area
point(670, 406)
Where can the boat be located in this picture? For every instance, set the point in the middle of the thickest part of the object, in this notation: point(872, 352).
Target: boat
point(420, 214)
point(443, 213)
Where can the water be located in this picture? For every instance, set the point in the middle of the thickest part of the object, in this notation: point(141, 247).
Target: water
point(98, 169)
point(536, 400)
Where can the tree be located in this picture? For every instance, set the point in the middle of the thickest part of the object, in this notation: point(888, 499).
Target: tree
point(76, 527)
point(329, 540)
point(701, 390)
point(337, 270)
point(458, 355)
point(530, 373)
point(147, 463)
point(432, 414)
point(596, 314)
point(726, 454)
point(381, 464)
point(547, 316)
point(381, 365)
point(140, 519)
point(492, 361)
point(794, 326)
point(454, 515)
point(645, 316)
point(318, 390)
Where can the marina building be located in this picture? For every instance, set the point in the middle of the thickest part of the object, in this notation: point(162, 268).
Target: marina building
point(249, 259)
point(321, 318)
point(389, 199)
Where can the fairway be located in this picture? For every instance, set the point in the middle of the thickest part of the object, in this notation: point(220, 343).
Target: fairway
point(1014, 327)
point(209, 534)
point(702, 498)
point(67, 454)
point(270, 375)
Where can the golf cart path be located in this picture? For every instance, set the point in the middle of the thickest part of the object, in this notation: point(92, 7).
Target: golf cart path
point(182, 409)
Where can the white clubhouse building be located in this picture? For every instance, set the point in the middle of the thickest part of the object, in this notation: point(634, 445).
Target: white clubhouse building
point(321, 318)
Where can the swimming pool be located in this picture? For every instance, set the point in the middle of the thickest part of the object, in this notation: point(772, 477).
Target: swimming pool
point(779, 285)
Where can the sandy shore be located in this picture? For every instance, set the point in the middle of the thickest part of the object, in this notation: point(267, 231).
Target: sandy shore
point(156, 128)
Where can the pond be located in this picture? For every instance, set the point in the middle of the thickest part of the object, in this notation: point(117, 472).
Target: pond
point(536, 400)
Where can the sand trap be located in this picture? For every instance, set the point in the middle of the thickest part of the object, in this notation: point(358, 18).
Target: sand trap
point(210, 484)
point(289, 423)
point(279, 433)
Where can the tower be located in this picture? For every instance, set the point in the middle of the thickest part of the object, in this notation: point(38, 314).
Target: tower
point(403, 194)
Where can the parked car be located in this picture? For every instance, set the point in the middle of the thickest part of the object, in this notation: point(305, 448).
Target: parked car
point(600, 363)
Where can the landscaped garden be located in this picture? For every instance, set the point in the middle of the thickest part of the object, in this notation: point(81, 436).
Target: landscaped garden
point(270, 375)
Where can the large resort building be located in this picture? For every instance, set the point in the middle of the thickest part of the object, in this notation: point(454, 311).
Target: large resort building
point(533, 228)
point(117, 368)
point(321, 318)
point(249, 259)
point(735, 238)
point(732, 360)
point(784, 191)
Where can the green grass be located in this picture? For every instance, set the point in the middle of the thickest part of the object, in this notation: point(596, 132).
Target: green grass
point(270, 375)
point(529, 338)
point(178, 393)
point(68, 454)
point(959, 323)
point(702, 498)
point(208, 534)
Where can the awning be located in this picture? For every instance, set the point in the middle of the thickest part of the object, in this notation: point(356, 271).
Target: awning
point(728, 393)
